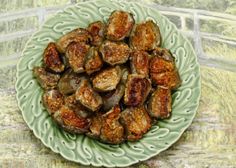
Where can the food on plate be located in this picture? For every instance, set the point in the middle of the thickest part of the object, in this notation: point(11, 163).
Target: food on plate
point(140, 62)
point(93, 62)
point(67, 118)
point(163, 71)
point(69, 82)
point(76, 54)
point(136, 122)
point(110, 81)
point(52, 100)
point(52, 59)
point(136, 90)
point(119, 25)
point(46, 79)
point(145, 36)
point(112, 131)
point(112, 98)
point(159, 105)
point(114, 53)
point(107, 79)
point(79, 35)
point(86, 95)
point(97, 30)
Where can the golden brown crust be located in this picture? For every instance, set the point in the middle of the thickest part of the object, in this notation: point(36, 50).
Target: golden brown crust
point(76, 54)
point(137, 90)
point(46, 79)
point(159, 105)
point(51, 58)
point(169, 80)
point(163, 53)
point(88, 97)
point(93, 61)
point(96, 125)
point(136, 122)
point(159, 65)
point(119, 25)
point(79, 35)
point(70, 121)
point(145, 36)
point(140, 62)
point(96, 29)
point(114, 52)
point(112, 131)
point(52, 100)
point(107, 79)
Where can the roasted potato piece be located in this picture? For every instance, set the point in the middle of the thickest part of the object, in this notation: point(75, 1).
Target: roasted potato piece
point(114, 52)
point(78, 35)
point(97, 30)
point(93, 61)
point(163, 53)
point(140, 63)
point(119, 26)
point(112, 131)
point(87, 96)
point(107, 79)
point(52, 101)
point(159, 105)
point(52, 59)
point(169, 80)
point(67, 118)
point(80, 110)
point(145, 36)
point(46, 79)
point(69, 82)
point(76, 54)
point(136, 122)
point(137, 90)
point(159, 65)
point(113, 98)
point(95, 127)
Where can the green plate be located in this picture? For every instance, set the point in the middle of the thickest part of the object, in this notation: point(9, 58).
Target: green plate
point(79, 148)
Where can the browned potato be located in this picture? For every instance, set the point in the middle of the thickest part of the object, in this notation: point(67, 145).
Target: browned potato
point(78, 35)
point(159, 105)
point(112, 131)
point(137, 90)
point(46, 79)
point(87, 96)
point(107, 79)
point(67, 118)
point(96, 29)
point(52, 60)
point(52, 100)
point(136, 122)
point(119, 26)
point(169, 80)
point(93, 61)
point(72, 103)
point(113, 98)
point(159, 65)
point(76, 54)
point(114, 52)
point(145, 36)
point(69, 82)
point(164, 53)
point(95, 127)
point(140, 62)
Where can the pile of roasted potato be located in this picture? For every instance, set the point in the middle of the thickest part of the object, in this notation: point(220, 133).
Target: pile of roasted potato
point(109, 81)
